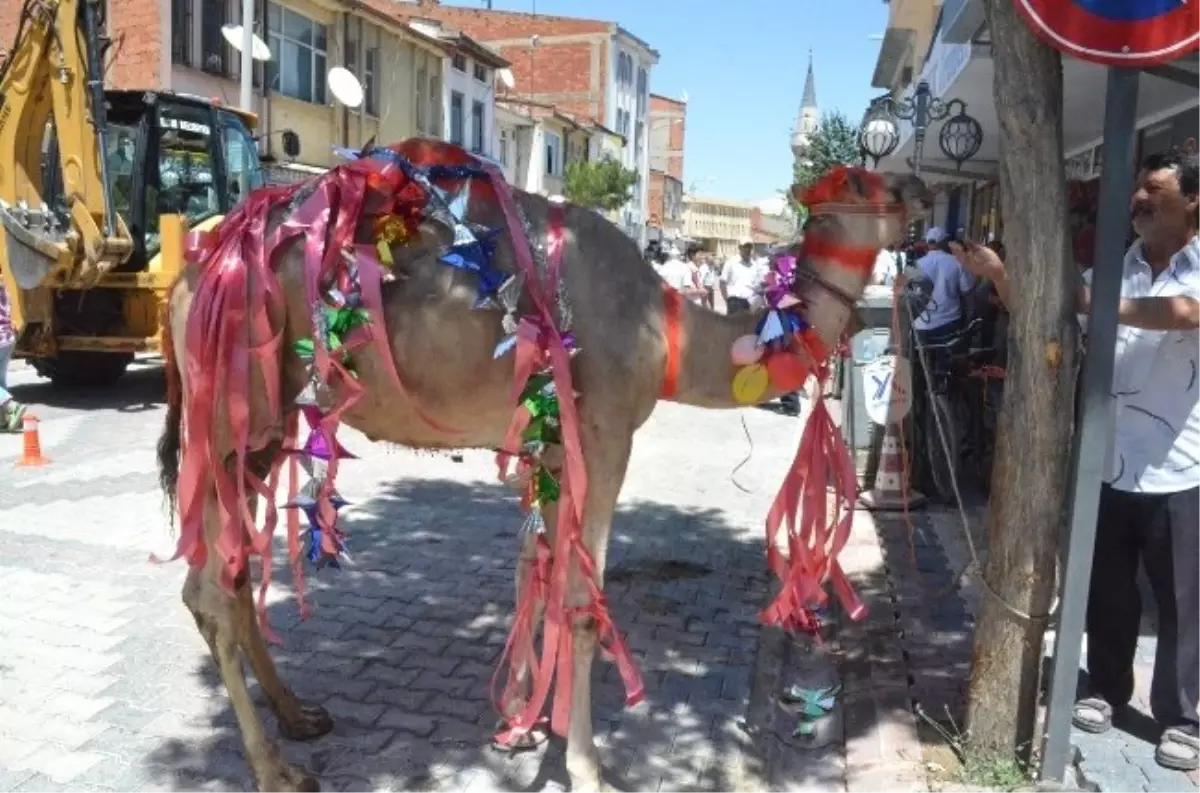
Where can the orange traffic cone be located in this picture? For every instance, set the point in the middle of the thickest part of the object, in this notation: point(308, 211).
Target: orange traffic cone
point(32, 455)
point(891, 493)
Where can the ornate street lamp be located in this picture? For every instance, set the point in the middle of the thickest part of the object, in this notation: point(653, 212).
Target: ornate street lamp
point(879, 135)
point(960, 137)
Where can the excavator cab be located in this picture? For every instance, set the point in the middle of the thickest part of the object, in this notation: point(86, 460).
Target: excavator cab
point(166, 154)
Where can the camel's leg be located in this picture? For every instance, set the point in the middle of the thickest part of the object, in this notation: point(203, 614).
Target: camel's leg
point(297, 721)
point(607, 455)
point(222, 623)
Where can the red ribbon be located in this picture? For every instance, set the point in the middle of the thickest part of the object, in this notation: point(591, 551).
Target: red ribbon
point(538, 341)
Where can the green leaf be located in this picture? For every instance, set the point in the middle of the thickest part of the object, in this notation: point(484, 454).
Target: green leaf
point(546, 487)
point(304, 348)
point(602, 184)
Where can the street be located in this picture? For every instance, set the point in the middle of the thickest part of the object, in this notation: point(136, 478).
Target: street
point(106, 684)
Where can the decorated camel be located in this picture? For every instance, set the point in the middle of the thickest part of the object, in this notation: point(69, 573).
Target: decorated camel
point(409, 293)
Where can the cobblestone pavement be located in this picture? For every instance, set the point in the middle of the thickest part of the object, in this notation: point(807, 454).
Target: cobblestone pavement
point(1119, 760)
point(105, 683)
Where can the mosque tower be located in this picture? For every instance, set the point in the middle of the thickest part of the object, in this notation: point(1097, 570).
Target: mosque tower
point(808, 118)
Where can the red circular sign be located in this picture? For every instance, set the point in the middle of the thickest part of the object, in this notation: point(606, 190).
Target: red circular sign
point(1132, 33)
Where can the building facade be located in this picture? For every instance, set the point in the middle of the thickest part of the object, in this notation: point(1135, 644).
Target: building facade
point(717, 225)
point(957, 64)
point(667, 125)
point(586, 68)
point(468, 97)
point(535, 142)
point(178, 46)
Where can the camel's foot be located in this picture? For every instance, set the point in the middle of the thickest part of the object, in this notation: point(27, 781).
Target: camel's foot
point(281, 776)
point(312, 721)
point(585, 772)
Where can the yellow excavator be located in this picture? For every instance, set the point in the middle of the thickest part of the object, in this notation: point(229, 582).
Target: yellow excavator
point(98, 189)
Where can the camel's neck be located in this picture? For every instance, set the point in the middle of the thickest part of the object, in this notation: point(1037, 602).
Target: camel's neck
point(706, 371)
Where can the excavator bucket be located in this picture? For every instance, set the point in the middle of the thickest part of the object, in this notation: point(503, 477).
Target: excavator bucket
point(33, 244)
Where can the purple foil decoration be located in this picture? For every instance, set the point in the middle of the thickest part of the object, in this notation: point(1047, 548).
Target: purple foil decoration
point(781, 280)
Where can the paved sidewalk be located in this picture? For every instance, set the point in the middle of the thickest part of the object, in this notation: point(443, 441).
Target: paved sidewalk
point(105, 683)
point(1119, 760)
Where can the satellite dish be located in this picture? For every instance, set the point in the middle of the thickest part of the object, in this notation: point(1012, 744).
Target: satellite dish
point(506, 77)
point(233, 34)
point(345, 87)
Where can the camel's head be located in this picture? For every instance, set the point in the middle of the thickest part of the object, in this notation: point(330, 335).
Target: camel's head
point(857, 208)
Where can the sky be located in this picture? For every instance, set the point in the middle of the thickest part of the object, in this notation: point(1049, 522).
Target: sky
point(742, 64)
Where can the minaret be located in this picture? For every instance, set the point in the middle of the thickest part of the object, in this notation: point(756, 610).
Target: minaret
point(808, 118)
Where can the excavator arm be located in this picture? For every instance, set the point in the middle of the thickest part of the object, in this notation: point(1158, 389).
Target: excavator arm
point(54, 74)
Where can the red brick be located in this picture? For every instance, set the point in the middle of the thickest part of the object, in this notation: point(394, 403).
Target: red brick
point(559, 72)
point(136, 29)
point(666, 148)
point(484, 25)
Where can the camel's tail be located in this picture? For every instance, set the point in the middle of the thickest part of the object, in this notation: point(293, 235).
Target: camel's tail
point(170, 443)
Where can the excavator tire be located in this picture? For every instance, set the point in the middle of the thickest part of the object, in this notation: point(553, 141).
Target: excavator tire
point(83, 368)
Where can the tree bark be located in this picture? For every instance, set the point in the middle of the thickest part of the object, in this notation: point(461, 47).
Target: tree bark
point(1030, 480)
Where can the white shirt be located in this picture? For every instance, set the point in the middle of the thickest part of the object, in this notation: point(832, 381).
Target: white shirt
point(1155, 446)
point(743, 279)
point(677, 273)
point(884, 271)
point(950, 283)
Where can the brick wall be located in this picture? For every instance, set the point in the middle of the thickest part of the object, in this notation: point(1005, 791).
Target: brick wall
point(136, 29)
point(668, 124)
point(569, 66)
point(656, 210)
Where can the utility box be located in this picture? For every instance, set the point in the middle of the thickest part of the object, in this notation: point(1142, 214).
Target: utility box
point(875, 310)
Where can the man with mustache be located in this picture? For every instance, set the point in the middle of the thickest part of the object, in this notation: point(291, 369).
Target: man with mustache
point(1150, 501)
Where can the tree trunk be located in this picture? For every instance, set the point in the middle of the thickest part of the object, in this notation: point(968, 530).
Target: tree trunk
point(1030, 481)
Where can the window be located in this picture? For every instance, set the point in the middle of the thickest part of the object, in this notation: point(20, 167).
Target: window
point(638, 132)
point(435, 104)
point(553, 146)
point(625, 68)
point(459, 62)
point(242, 172)
point(180, 180)
point(643, 92)
point(481, 73)
point(298, 53)
point(362, 58)
point(623, 122)
point(503, 147)
point(457, 133)
point(477, 129)
point(213, 49)
point(422, 80)
point(371, 81)
point(181, 32)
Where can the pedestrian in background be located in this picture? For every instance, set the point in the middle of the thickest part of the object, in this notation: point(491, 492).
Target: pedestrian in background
point(12, 412)
point(742, 279)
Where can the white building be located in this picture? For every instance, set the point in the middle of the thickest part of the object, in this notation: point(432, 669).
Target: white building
point(534, 142)
point(627, 99)
point(468, 91)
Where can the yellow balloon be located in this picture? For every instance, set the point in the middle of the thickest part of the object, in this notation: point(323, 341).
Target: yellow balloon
point(750, 383)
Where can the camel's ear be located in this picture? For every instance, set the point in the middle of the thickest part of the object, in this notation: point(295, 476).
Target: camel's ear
point(909, 190)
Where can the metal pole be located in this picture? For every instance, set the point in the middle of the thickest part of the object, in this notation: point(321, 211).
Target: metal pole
point(246, 99)
point(1091, 437)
